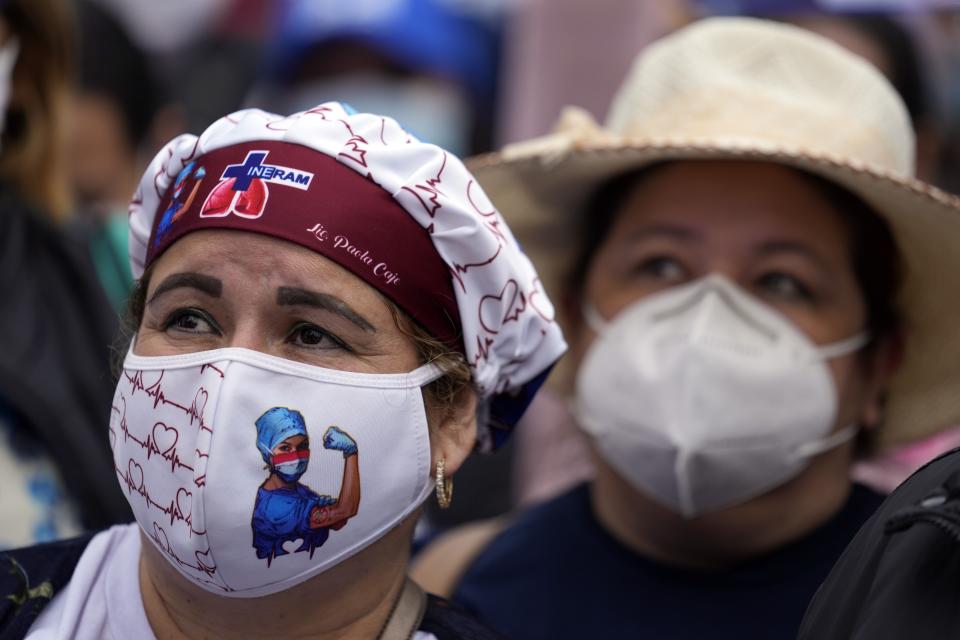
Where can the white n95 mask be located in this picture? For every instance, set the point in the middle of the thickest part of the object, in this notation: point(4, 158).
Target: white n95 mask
point(703, 397)
point(252, 473)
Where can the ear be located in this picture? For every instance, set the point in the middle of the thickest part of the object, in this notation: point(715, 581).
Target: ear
point(454, 433)
point(883, 363)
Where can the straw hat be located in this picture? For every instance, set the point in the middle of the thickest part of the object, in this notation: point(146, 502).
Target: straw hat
point(739, 88)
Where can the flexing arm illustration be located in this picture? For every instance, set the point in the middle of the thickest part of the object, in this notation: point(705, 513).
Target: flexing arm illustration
point(336, 515)
point(287, 511)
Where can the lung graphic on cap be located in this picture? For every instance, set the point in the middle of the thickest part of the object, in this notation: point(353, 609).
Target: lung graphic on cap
point(243, 187)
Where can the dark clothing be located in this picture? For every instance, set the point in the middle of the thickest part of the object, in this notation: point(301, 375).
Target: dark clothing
point(900, 577)
point(56, 331)
point(31, 577)
point(283, 515)
point(556, 573)
point(448, 621)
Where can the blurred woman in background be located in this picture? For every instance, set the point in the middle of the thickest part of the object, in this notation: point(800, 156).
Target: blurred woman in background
point(727, 249)
point(56, 326)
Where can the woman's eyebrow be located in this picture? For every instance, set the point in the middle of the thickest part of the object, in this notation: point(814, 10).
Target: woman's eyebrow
point(664, 230)
point(207, 284)
point(774, 247)
point(295, 296)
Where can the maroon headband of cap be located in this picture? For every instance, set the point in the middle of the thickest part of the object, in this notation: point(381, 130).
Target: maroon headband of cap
point(295, 193)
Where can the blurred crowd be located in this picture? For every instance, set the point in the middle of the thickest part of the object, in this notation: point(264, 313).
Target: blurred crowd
point(93, 88)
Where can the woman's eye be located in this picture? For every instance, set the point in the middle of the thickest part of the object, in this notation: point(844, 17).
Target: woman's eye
point(663, 268)
point(312, 336)
point(190, 321)
point(784, 286)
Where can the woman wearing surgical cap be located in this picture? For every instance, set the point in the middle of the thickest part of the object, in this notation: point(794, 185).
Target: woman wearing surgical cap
point(745, 259)
point(330, 317)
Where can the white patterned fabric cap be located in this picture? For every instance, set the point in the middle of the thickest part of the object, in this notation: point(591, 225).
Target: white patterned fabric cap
point(510, 337)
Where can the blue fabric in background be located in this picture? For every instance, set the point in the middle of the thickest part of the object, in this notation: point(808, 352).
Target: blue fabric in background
point(426, 35)
point(760, 7)
point(32, 488)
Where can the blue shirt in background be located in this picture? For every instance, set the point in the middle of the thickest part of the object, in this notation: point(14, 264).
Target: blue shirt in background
point(555, 573)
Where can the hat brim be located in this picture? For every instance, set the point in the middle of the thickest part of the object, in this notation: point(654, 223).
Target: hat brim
point(541, 197)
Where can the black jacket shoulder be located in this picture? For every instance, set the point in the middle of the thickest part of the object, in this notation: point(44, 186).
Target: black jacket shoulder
point(900, 575)
point(448, 621)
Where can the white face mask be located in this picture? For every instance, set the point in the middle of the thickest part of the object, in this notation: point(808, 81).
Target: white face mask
point(703, 397)
point(235, 462)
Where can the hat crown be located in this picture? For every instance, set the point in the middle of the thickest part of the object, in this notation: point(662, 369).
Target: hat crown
point(759, 84)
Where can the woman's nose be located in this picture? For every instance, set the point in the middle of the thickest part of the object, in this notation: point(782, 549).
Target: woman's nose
point(725, 267)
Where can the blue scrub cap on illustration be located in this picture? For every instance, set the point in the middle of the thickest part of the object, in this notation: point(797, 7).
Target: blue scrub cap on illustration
point(275, 426)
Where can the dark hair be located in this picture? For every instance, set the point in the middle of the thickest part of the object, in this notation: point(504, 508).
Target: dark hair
point(874, 253)
point(906, 73)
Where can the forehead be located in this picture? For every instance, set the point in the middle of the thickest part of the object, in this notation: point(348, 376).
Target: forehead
point(732, 198)
point(247, 261)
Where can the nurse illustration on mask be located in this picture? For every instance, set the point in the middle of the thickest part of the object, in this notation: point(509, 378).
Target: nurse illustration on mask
point(287, 511)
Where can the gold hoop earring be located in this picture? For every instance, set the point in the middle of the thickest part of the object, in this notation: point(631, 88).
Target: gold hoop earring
point(444, 485)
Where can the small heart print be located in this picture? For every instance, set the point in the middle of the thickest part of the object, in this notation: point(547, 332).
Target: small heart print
point(199, 404)
point(160, 537)
point(479, 200)
point(537, 297)
point(497, 310)
point(291, 546)
point(134, 475)
point(205, 562)
point(184, 503)
point(164, 438)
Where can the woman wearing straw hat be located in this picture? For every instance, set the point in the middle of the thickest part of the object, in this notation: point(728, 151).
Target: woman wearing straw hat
point(325, 328)
point(728, 250)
